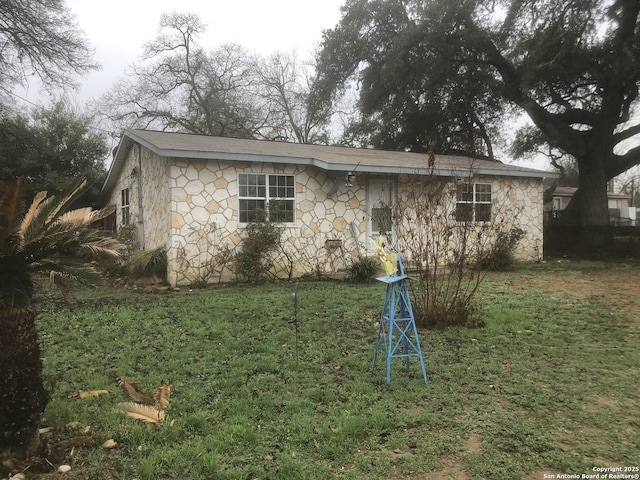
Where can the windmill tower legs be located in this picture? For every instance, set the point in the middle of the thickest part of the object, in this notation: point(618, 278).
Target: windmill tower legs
point(398, 332)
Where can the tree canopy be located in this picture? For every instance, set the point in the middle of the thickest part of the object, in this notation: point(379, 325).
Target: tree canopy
point(53, 149)
point(41, 38)
point(441, 71)
point(414, 93)
point(179, 85)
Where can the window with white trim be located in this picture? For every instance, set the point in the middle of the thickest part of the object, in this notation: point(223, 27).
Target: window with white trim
point(272, 194)
point(124, 205)
point(473, 202)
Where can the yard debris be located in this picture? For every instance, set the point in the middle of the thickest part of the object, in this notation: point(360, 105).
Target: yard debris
point(161, 396)
point(153, 417)
point(132, 387)
point(90, 393)
point(147, 409)
point(109, 444)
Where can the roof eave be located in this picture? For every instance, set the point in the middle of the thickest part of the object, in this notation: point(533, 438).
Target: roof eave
point(129, 137)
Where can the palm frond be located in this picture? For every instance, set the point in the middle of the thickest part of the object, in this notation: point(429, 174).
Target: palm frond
point(77, 218)
point(122, 380)
point(33, 209)
point(102, 248)
point(46, 213)
point(37, 240)
point(132, 387)
point(161, 396)
point(12, 201)
point(63, 283)
point(63, 204)
point(153, 417)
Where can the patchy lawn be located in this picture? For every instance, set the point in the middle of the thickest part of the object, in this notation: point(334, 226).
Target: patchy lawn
point(549, 386)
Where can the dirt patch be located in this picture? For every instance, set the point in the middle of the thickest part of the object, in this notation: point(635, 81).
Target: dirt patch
point(451, 470)
point(473, 443)
point(619, 286)
point(600, 402)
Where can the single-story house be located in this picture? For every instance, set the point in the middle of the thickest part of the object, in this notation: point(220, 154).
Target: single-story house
point(621, 212)
point(195, 194)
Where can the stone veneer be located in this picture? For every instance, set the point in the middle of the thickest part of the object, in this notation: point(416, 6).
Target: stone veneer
point(190, 206)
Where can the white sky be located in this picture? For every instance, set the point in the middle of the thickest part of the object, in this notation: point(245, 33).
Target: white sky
point(117, 29)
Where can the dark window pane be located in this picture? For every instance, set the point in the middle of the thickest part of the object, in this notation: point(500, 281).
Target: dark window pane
point(281, 211)
point(281, 186)
point(483, 212)
point(250, 209)
point(465, 192)
point(464, 212)
point(483, 192)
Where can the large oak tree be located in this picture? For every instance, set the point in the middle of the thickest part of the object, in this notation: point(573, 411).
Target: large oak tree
point(433, 70)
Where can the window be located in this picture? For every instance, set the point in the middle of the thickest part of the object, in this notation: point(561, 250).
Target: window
point(124, 202)
point(381, 220)
point(273, 194)
point(473, 202)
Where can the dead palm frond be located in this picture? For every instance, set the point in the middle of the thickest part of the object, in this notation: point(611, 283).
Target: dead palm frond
point(149, 410)
point(153, 417)
point(132, 387)
point(161, 396)
point(11, 211)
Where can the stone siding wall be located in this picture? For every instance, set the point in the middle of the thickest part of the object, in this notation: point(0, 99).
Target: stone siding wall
point(525, 207)
point(191, 208)
point(126, 180)
point(515, 203)
point(153, 232)
point(205, 231)
point(155, 200)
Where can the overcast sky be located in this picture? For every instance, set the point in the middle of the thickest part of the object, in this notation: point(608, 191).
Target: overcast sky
point(117, 29)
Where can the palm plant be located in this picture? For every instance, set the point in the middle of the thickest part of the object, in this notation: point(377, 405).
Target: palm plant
point(35, 240)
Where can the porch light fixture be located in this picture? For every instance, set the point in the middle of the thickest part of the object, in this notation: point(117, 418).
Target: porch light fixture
point(350, 178)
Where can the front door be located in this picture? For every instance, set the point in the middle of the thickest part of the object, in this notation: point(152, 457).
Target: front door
point(380, 201)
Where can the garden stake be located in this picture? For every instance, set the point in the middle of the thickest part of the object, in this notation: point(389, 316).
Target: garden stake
point(294, 320)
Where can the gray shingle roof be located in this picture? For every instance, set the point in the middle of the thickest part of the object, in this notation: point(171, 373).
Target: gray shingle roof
point(330, 158)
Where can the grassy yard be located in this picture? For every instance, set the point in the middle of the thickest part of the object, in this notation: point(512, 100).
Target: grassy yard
point(549, 385)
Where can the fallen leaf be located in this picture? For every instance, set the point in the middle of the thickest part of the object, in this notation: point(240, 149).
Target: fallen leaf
point(91, 393)
point(109, 444)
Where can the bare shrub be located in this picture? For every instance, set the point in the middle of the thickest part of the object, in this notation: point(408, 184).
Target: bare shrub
point(442, 238)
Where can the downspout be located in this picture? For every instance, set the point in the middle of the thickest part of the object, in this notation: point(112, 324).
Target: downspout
point(140, 208)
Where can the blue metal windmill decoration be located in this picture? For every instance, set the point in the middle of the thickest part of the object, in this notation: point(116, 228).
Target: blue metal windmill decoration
point(397, 332)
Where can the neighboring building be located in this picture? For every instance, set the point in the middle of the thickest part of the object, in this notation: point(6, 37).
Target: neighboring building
point(194, 195)
point(620, 210)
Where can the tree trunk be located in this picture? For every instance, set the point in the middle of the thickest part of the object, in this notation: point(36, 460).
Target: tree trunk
point(589, 205)
point(23, 397)
point(588, 209)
